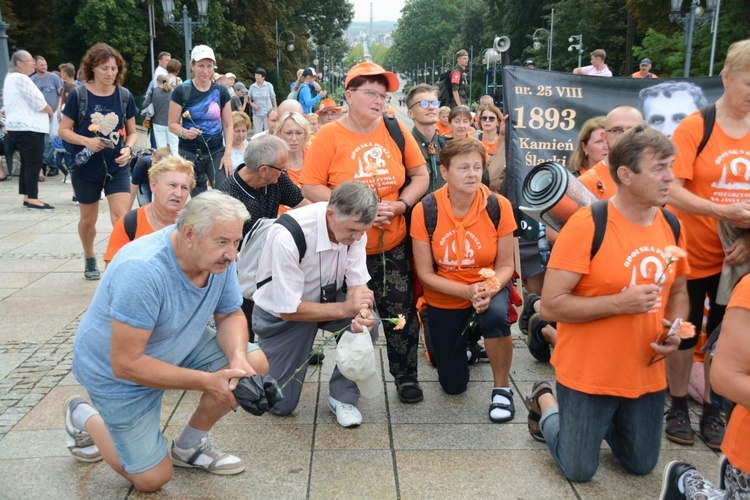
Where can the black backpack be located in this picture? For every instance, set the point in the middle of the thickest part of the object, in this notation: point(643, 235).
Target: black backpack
point(599, 214)
point(444, 88)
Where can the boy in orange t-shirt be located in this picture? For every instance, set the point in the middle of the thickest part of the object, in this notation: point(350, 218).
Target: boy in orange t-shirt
point(610, 309)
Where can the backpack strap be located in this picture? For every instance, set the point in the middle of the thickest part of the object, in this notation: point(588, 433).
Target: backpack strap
point(124, 102)
point(396, 134)
point(709, 118)
point(130, 221)
point(291, 224)
point(82, 96)
point(599, 214)
point(186, 92)
point(674, 223)
point(493, 209)
point(429, 205)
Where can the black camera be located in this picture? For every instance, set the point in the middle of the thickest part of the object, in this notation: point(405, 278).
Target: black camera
point(328, 293)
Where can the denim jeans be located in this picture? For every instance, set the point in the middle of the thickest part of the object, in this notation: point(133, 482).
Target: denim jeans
point(574, 431)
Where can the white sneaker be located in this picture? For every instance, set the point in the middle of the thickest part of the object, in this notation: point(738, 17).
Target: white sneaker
point(206, 455)
point(79, 442)
point(346, 415)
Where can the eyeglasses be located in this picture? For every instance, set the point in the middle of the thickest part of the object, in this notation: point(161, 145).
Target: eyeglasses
point(615, 131)
point(426, 104)
point(489, 118)
point(372, 94)
point(282, 170)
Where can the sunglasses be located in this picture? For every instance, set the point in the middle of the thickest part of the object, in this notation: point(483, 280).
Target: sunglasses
point(426, 104)
point(490, 118)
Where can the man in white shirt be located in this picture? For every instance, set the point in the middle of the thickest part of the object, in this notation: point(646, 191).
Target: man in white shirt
point(597, 67)
point(161, 69)
point(297, 296)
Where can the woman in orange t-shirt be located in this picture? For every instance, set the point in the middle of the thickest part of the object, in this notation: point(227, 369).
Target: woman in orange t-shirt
point(592, 147)
point(358, 146)
point(492, 125)
point(730, 376)
point(294, 128)
point(464, 243)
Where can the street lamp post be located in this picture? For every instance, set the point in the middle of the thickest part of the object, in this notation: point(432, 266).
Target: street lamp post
point(4, 55)
point(537, 45)
point(578, 46)
point(289, 47)
point(696, 16)
point(186, 26)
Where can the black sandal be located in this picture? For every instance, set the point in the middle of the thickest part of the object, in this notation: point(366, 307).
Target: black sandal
point(409, 390)
point(503, 406)
point(535, 411)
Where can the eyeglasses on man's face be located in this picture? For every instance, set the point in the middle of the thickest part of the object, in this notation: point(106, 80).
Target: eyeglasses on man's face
point(426, 104)
point(282, 170)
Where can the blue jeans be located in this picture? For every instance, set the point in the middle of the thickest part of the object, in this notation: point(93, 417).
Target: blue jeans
point(574, 431)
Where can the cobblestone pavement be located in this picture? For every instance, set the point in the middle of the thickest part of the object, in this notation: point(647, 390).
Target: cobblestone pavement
point(444, 447)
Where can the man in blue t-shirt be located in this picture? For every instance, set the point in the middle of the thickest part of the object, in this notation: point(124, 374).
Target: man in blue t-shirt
point(145, 332)
point(51, 85)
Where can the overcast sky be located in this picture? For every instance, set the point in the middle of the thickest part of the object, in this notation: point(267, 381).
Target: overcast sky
point(382, 10)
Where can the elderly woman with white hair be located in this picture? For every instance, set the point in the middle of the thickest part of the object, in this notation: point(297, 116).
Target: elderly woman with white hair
point(27, 118)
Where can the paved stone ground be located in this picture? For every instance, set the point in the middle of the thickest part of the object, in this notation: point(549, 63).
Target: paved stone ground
point(444, 447)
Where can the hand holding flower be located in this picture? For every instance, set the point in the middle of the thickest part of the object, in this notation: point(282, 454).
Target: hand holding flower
point(668, 342)
point(637, 299)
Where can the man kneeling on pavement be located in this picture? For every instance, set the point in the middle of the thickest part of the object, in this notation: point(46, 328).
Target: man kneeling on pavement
point(145, 332)
point(301, 296)
point(611, 312)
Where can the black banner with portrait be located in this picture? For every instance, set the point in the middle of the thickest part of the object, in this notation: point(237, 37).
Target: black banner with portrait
point(547, 109)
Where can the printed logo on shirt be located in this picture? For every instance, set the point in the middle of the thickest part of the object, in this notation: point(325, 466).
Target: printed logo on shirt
point(648, 265)
point(734, 182)
point(372, 165)
point(107, 124)
point(450, 256)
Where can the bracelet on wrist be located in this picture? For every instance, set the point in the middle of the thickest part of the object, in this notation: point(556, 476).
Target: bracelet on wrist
point(405, 203)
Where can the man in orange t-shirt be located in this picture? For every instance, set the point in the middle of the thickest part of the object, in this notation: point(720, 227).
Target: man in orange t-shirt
point(731, 377)
point(598, 179)
point(710, 187)
point(358, 146)
point(610, 310)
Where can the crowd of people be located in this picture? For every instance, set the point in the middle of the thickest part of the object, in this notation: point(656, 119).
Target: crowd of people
point(376, 222)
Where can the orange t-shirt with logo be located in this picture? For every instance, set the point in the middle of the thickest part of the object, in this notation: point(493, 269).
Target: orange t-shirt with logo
point(339, 155)
point(119, 238)
point(480, 248)
point(610, 356)
point(720, 174)
point(736, 444)
point(599, 181)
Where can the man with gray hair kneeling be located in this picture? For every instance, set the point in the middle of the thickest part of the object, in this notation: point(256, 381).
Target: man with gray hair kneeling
point(145, 332)
point(297, 296)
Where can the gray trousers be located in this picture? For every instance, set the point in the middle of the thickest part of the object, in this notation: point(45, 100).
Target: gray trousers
point(287, 345)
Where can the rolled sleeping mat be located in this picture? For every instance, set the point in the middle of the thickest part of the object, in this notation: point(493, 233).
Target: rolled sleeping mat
point(552, 194)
